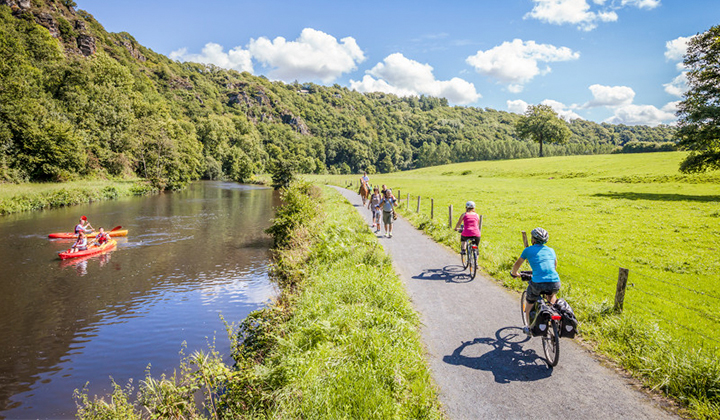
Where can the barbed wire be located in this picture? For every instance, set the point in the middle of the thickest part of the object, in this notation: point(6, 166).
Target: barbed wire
point(679, 286)
point(677, 302)
point(676, 324)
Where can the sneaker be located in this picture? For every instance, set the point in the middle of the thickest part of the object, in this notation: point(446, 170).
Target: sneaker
point(386, 235)
point(390, 235)
point(526, 330)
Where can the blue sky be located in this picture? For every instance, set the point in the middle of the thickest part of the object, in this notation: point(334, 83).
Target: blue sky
point(601, 60)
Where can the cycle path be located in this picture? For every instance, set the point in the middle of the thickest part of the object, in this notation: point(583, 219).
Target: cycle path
point(483, 364)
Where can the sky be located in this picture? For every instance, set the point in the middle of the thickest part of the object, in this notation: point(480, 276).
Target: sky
point(616, 61)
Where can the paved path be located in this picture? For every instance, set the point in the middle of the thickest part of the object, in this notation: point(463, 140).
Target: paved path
point(483, 364)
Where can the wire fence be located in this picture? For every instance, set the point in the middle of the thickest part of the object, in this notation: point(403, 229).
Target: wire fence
point(635, 286)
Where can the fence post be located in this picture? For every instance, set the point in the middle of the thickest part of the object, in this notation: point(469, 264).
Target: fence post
point(418, 206)
point(432, 208)
point(407, 201)
point(480, 227)
point(399, 198)
point(620, 291)
point(525, 242)
point(450, 217)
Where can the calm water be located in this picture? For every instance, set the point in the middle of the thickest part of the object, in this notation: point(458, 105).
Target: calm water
point(189, 257)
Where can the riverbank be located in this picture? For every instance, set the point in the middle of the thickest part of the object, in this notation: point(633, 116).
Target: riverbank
point(15, 198)
point(340, 341)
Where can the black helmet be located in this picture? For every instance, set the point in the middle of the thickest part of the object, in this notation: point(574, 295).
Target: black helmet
point(540, 235)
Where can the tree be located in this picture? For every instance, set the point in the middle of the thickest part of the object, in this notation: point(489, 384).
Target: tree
point(699, 113)
point(541, 124)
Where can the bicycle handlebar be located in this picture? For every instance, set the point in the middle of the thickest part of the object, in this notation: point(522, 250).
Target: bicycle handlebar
point(524, 275)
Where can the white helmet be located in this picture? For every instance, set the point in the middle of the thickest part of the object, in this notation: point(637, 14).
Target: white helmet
point(470, 205)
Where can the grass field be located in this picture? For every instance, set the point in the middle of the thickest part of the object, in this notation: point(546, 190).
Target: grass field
point(35, 196)
point(603, 212)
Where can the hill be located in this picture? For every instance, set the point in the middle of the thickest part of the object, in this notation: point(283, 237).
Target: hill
point(81, 102)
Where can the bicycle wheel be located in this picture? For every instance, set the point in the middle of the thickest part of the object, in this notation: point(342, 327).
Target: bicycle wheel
point(464, 257)
point(523, 305)
point(472, 261)
point(551, 344)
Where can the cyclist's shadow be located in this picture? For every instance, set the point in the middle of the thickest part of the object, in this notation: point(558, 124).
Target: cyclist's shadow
point(448, 274)
point(507, 360)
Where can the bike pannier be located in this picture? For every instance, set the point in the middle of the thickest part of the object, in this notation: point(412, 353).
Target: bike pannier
point(540, 319)
point(568, 322)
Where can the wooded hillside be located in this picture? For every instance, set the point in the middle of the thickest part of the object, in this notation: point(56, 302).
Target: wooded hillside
point(77, 101)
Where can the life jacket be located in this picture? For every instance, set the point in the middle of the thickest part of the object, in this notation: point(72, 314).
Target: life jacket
point(79, 228)
point(102, 238)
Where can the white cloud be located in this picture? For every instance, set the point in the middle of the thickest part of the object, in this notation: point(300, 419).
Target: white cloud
point(671, 107)
point(610, 96)
point(212, 53)
point(404, 77)
point(516, 62)
point(578, 12)
point(315, 55)
point(678, 86)
point(641, 4)
point(641, 115)
point(519, 106)
point(676, 49)
point(562, 110)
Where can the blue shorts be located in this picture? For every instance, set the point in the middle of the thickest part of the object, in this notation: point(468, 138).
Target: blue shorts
point(535, 290)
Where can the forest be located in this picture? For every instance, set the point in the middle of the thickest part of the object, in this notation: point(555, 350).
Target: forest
point(78, 102)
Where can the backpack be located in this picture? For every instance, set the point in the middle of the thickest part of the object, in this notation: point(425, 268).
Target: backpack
point(568, 322)
point(540, 318)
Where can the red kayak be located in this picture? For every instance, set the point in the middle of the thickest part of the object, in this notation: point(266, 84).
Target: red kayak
point(70, 235)
point(90, 251)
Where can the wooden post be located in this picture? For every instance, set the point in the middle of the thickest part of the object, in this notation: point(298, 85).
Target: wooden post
point(620, 291)
point(407, 202)
point(480, 227)
point(399, 197)
point(525, 242)
point(432, 208)
point(418, 206)
point(450, 216)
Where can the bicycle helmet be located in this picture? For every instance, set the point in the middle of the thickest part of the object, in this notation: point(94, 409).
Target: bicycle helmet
point(470, 205)
point(540, 235)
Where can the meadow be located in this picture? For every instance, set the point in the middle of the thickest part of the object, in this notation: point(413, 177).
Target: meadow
point(603, 212)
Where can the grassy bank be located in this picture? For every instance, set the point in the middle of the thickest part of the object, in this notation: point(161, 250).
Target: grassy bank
point(603, 213)
point(340, 341)
point(15, 198)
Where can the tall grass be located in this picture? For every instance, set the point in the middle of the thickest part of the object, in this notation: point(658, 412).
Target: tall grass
point(340, 341)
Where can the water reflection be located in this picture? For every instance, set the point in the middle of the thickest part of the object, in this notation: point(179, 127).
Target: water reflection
point(189, 256)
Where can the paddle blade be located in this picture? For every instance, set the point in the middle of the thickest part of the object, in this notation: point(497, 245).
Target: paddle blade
point(116, 228)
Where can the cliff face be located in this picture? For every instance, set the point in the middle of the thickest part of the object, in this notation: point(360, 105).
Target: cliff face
point(61, 20)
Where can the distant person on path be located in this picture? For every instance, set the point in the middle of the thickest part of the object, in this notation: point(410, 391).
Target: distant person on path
point(545, 278)
point(383, 189)
point(469, 226)
point(80, 244)
point(374, 206)
point(364, 189)
point(388, 205)
point(84, 226)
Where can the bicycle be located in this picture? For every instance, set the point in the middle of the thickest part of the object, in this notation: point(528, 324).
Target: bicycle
point(551, 330)
point(469, 258)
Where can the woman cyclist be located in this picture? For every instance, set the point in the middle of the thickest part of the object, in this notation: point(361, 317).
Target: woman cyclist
point(545, 279)
point(470, 221)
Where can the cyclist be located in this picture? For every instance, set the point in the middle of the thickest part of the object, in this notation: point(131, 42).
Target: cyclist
point(470, 222)
point(545, 278)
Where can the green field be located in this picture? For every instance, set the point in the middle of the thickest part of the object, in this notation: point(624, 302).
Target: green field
point(603, 212)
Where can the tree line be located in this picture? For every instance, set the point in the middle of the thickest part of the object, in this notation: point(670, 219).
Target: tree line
point(125, 110)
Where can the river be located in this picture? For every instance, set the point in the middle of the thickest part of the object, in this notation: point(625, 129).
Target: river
point(190, 257)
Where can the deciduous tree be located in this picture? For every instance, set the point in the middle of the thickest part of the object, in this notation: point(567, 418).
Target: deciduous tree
point(541, 124)
point(699, 112)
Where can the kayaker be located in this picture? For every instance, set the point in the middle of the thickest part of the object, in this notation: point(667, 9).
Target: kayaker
point(84, 226)
point(101, 238)
point(80, 244)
